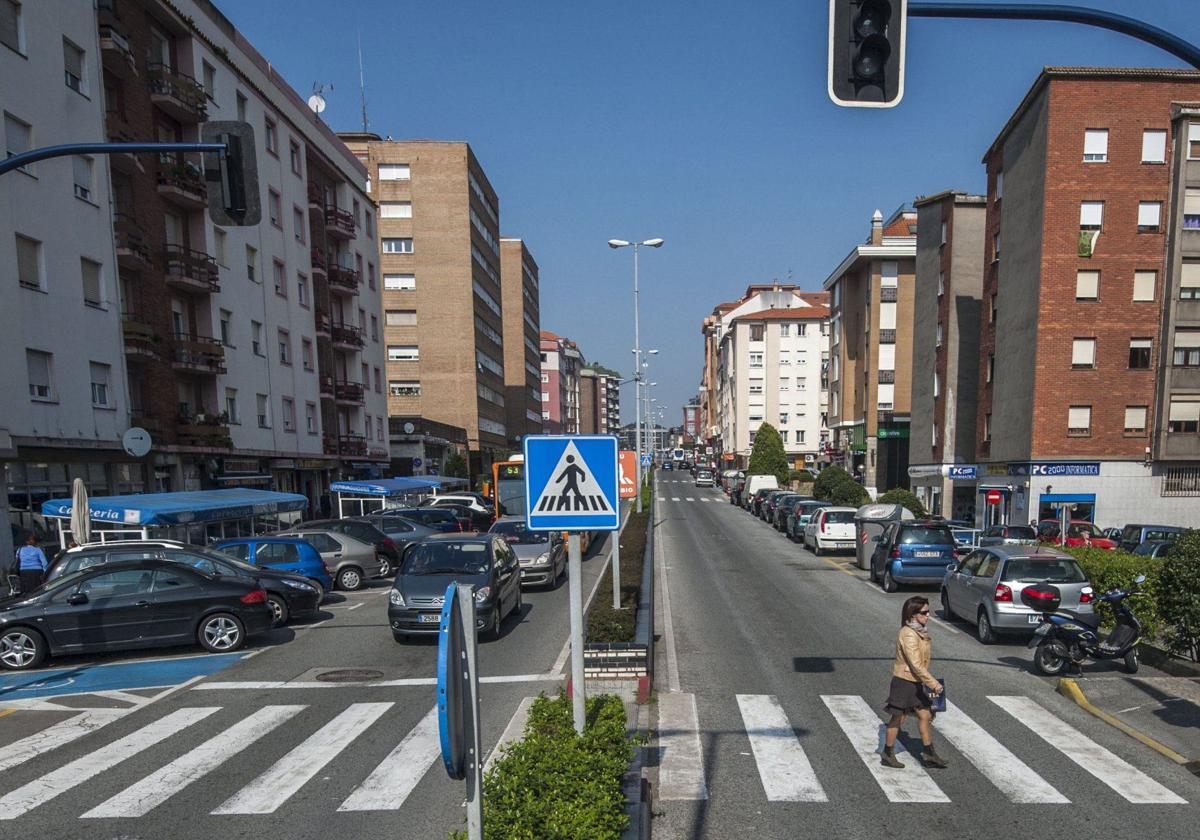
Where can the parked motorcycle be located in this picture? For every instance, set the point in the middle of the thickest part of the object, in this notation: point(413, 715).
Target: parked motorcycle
point(1063, 639)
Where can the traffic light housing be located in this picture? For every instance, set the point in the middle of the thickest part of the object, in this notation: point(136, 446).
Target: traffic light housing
point(232, 177)
point(866, 52)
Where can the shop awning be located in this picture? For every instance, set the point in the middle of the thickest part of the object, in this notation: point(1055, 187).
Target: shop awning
point(388, 487)
point(181, 508)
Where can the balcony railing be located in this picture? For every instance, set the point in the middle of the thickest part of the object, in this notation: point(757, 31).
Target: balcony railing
point(193, 271)
point(347, 444)
point(887, 336)
point(349, 392)
point(317, 259)
point(316, 196)
point(323, 324)
point(886, 377)
point(339, 222)
point(342, 279)
point(140, 338)
point(327, 385)
point(207, 430)
point(130, 242)
point(182, 182)
point(888, 294)
point(115, 51)
point(347, 335)
point(178, 94)
point(198, 354)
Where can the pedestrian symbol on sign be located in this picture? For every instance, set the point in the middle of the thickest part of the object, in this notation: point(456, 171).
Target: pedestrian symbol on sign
point(572, 489)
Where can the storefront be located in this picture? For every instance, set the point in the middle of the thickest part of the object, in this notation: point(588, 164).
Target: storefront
point(946, 490)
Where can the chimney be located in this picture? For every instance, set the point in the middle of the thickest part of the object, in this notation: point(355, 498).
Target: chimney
point(877, 228)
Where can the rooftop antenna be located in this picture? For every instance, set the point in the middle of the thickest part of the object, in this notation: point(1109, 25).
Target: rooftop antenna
point(362, 83)
point(317, 101)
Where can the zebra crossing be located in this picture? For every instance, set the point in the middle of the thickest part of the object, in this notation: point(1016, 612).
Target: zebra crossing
point(787, 774)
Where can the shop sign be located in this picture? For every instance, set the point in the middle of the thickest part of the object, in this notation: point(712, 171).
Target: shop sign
point(312, 464)
point(962, 473)
point(1056, 468)
point(241, 465)
point(924, 470)
point(997, 469)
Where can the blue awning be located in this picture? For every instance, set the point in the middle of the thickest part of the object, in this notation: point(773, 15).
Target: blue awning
point(181, 508)
point(389, 487)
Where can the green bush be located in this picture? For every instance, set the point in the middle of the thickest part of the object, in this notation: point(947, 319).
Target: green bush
point(826, 479)
point(605, 624)
point(455, 466)
point(848, 493)
point(1179, 596)
point(900, 496)
point(556, 785)
point(802, 476)
point(1116, 570)
point(767, 457)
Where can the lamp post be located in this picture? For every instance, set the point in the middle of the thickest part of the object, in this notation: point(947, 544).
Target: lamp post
point(637, 348)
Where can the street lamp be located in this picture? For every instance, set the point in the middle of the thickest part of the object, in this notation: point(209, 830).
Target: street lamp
point(637, 348)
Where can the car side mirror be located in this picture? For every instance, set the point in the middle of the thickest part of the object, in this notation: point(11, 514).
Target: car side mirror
point(953, 567)
point(874, 539)
point(77, 598)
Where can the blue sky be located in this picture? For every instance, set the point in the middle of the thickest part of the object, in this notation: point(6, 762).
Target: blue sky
point(705, 123)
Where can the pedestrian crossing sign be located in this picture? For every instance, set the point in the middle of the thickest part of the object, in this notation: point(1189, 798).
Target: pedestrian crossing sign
point(571, 483)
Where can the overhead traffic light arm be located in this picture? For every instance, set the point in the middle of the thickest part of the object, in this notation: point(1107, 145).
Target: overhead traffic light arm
point(25, 158)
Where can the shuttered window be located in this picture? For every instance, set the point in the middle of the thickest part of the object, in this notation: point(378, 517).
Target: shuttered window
point(1087, 285)
point(1135, 418)
point(1095, 145)
point(1148, 215)
point(10, 24)
point(29, 272)
point(1091, 215)
point(1154, 145)
point(1079, 420)
point(1083, 352)
point(1143, 285)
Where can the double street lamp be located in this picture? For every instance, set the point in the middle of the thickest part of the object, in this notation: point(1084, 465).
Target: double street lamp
point(637, 350)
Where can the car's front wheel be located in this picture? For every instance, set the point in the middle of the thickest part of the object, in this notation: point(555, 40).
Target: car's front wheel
point(21, 649)
point(279, 608)
point(221, 633)
point(384, 567)
point(350, 578)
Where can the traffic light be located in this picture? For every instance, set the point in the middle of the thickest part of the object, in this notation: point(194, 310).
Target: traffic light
point(232, 177)
point(866, 52)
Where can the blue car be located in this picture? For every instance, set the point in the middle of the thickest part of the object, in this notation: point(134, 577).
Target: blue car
point(285, 554)
point(912, 551)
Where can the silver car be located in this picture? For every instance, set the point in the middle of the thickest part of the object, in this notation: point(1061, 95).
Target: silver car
point(985, 588)
point(542, 555)
point(351, 562)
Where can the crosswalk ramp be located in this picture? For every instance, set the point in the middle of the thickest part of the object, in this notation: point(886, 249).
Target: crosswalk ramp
point(787, 774)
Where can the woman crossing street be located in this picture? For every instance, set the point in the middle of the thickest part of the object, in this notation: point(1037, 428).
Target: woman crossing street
point(913, 686)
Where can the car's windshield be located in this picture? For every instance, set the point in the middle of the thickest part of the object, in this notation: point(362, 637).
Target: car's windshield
point(449, 558)
point(1051, 569)
point(1162, 536)
point(926, 536)
point(1021, 532)
point(517, 532)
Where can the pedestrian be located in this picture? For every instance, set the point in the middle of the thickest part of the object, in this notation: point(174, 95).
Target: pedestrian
point(31, 564)
point(913, 687)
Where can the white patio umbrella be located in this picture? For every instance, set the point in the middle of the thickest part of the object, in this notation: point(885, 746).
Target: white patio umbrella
point(81, 520)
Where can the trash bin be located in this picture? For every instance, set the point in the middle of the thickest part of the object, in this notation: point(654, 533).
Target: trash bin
point(870, 521)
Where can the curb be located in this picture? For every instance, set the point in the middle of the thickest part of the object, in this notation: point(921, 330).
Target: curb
point(1070, 689)
point(1165, 662)
point(637, 789)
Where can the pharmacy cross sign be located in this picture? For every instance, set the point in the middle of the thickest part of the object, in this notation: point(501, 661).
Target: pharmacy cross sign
point(571, 482)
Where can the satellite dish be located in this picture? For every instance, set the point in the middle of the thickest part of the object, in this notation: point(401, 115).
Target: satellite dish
point(136, 442)
point(317, 103)
point(409, 428)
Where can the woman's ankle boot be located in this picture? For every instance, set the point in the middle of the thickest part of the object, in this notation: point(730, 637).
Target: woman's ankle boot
point(930, 757)
point(889, 759)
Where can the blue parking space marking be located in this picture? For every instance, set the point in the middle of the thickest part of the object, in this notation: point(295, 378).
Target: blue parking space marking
point(121, 676)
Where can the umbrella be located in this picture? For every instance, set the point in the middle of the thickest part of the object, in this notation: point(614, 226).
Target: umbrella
point(81, 522)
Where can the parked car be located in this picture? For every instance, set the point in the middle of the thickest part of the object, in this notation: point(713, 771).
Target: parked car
point(1157, 549)
point(542, 555)
point(965, 540)
point(468, 519)
point(802, 509)
point(351, 561)
point(291, 555)
point(754, 484)
point(1009, 535)
point(363, 532)
point(830, 529)
point(439, 519)
point(485, 561)
point(480, 506)
point(766, 508)
point(1134, 535)
point(704, 477)
point(667, 466)
point(130, 604)
point(985, 588)
point(399, 529)
point(1080, 533)
point(782, 507)
point(914, 551)
point(1113, 534)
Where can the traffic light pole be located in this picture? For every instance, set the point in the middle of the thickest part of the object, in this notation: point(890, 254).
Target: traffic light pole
point(1160, 38)
point(17, 161)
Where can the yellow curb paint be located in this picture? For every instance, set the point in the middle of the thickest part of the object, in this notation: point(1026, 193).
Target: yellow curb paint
point(6, 712)
point(1070, 689)
point(835, 564)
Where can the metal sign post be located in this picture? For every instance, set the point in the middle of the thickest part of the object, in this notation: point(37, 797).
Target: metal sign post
point(458, 699)
point(575, 593)
point(616, 568)
point(474, 760)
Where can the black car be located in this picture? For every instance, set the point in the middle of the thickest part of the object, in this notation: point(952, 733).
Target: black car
point(485, 561)
point(781, 506)
point(439, 519)
point(127, 605)
point(468, 517)
point(400, 529)
point(360, 529)
point(290, 596)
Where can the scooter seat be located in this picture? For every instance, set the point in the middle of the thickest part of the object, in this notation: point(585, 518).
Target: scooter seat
point(1088, 619)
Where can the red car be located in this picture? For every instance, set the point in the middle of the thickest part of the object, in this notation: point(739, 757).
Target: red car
point(1080, 534)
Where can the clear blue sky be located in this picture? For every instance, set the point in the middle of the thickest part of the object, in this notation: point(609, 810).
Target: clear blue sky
point(706, 123)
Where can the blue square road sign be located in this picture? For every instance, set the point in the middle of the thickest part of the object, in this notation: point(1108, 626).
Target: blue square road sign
point(571, 483)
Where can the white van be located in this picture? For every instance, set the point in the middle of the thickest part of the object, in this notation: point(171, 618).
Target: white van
point(754, 483)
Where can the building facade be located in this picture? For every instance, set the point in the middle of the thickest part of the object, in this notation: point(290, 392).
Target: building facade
point(599, 402)
point(870, 366)
point(692, 424)
point(561, 365)
point(945, 356)
point(522, 352)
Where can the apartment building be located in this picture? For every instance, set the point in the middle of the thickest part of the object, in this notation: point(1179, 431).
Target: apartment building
point(561, 365)
point(439, 248)
point(691, 420)
point(1088, 392)
point(772, 347)
point(599, 401)
point(522, 350)
point(870, 367)
point(945, 355)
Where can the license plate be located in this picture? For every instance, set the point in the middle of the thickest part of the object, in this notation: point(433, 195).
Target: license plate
point(1035, 619)
point(432, 618)
point(927, 554)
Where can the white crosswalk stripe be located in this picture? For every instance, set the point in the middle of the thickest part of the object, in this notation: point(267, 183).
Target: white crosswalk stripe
point(681, 767)
point(55, 736)
point(395, 777)
point(786, 773)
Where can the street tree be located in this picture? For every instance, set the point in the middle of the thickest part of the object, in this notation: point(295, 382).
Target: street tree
point(905, 498)
point(767, 457)
point(826, 479)
point(455, 466)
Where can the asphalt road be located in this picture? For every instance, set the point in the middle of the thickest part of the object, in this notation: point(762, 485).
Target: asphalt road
point(275, 745)
point(772, 672)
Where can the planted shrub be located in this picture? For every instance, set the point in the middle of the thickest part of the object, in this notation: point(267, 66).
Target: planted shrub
point(906, 498)
point(1116, 570)
point(1179, 597)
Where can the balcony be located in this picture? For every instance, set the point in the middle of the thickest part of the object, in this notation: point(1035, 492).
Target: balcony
point(318, 260)
point(198, 354)
point(139, 337)
point(348, 393)
point(886, 377)
point(327, 386)
point(117, 130)
point(181, 182)
point(190, 271)
point(346, 337)
point(177, 94)
point(130, 242)
point(887, 336)
point(348, 444)
point(316, 198)
point(339, 223)
point(210, 431)
point(888, 294)
point(140, 418)
point(115, 52)
point(342, 280)
point(324, 326)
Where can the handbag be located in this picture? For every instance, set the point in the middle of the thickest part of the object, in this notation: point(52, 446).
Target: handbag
point(937, 703)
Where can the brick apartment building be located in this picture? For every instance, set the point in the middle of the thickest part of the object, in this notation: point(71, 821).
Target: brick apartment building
point(1088, 386)
point(872, 294)
point(946, 324)
point(599, 402)
point(561, 364)
point(522, 351)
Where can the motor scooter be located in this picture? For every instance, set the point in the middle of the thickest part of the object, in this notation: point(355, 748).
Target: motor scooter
point(1065, 640)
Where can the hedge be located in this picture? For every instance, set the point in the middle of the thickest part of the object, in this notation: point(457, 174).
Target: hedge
point(1116, 570)
point(605, 624)
point(556, 785)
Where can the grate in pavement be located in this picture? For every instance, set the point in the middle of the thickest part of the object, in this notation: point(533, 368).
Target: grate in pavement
point(349, 675)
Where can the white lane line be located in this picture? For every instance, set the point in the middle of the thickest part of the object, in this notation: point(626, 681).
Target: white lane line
point(786, 773)
point(278, 783)
point(865, 731)
point(689, 499)
point(356, 606)
point(265, 685)
point(60, 733)
point(681, 765)
point(674, 498)
point(511, 733)
point(1124, 778)
point(394, 779)
point(1014, 777)
point(142, 797)
point(659, 558)
point(41, 791)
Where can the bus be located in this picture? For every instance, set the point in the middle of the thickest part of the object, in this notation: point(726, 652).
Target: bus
point(508, 486)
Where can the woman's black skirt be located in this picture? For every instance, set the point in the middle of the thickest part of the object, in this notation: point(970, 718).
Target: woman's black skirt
point(904, 696)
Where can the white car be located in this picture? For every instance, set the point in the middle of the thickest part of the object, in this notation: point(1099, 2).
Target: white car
point(830, 529)
point(468, 500)
point(704, 478)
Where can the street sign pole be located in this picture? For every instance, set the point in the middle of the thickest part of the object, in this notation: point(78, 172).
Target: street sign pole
point(575, 581)
point(458, 699)
point(616, 565)
point(466, 598)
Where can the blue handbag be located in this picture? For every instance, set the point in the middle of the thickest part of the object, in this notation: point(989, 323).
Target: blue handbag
point(937, 703)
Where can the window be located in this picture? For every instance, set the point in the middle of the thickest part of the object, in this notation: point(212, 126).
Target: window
point(941, 283)
point(991, 366)
point(302, 289)
point(374, 328)
point(1091, 215)
point(220, 242)
point(1095, 145)
point(369, 219)
point(399, 282)
point(1144, 283)
point(995, 246)
point(942, 241)
point(801, 383)
point(1139, 353)
point(999, 184)
point(73, 66)
point(783, 435)
point(1083, 353)
point(937, 384)
point(987, 428)
point(252, 264)
point(1184, 415)
point(289, 414)
point(101, 376)
point(256, 338)
point(18, 137)
point(294, 157)
point(992, 309)
point(1148, 216)
point(1079, 420)
point(264, 411)
point(886, 397)
point(366, 376)
point(1193, 141)
point(785, 357)
point(356, 212)
point(756, 386)
point(209, 77)
point(757, 331)
point(280, 274)
point(240, 98)
point(310, 418)
point(783, 418)
point(231, 406)
point(370, 273)
point(935, 436)
point(29, 262)
point(400, 317)
point(38, 365)
point(306, 353)
point(1189, 280)
point(1187, 348)
point(378, 381)
point(403, 353)
point(785, 383)
point(226, 327)
point(1135, 419)
point(82, 169)
point(785, 330)
point(271, 133)
point(938, 337)
point(10, 24)
point(397, 246)
point(1154, 145)
point(394, 172)
point(273, 207)
point(285, 347)
point(756, 360)
point(93, 291)
point(1087, 285)
point(298, 225)
point(395, 209)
